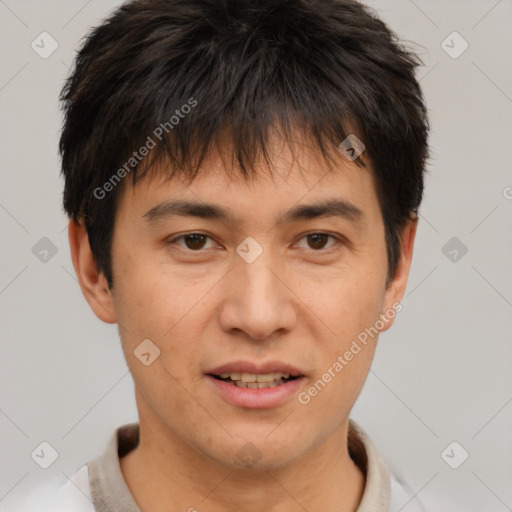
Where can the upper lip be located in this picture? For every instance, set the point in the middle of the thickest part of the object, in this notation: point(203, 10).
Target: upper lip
point(256, 368)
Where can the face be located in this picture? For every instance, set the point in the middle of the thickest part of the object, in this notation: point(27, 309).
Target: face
point(276, 280)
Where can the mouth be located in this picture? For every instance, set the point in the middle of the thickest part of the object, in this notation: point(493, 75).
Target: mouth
point(255, 380)
point(256, 385)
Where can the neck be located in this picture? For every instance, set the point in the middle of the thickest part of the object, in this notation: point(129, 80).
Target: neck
point(164, 474)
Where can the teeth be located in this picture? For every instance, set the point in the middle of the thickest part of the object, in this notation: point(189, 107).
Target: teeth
point(256, 385)
point(233, 376)
point(265, 377)
point(255, 378)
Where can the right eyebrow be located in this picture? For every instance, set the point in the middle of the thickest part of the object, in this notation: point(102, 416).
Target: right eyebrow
point(187, 208)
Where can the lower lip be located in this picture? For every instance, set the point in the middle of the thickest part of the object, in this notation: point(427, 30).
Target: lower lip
point(256, 398)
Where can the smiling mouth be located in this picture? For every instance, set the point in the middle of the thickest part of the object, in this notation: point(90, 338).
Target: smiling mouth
point(255, 381)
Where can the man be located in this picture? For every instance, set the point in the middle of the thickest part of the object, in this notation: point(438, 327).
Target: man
point(242, 180)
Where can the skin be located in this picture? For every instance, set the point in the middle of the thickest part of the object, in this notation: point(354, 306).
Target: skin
point(298, 302)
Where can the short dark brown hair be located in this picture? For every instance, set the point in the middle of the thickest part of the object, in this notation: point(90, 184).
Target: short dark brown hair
point(177, 77)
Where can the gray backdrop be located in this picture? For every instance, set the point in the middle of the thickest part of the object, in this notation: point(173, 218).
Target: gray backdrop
point(441, 374)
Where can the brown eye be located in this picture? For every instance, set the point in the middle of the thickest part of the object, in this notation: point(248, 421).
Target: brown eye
point(195, 241)
point(318, 240)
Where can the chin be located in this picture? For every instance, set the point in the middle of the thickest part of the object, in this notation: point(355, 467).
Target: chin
point(259, 452)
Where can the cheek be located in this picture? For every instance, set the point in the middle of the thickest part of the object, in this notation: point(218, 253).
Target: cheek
point(344, 358)
point(350, 308)
point(346, 305)
point(171, 310)
point(150, 299)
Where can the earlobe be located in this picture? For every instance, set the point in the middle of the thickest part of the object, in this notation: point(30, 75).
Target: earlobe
point(92, 281)
point(396, 289)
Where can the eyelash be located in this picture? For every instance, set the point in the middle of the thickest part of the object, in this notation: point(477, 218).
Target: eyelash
point(338, 241)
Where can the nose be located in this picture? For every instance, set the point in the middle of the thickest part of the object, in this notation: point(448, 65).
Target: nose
point(258, 300)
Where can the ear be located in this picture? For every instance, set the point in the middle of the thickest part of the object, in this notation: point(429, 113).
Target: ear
point(92, 281)
point(396, 288)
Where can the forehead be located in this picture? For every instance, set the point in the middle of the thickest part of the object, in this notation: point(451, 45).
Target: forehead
point(292, 178)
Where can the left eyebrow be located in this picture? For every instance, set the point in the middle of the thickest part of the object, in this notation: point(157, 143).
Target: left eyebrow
point(188, 208)
point(327, 208)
